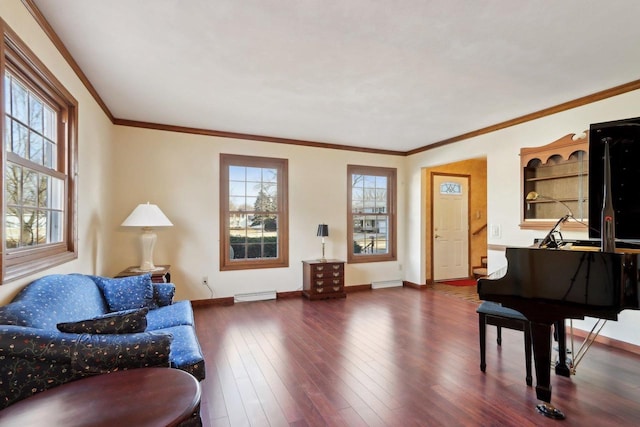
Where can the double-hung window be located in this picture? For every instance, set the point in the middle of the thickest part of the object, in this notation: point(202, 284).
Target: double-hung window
point(371, 222)
point(253, 212)
point(39, 134)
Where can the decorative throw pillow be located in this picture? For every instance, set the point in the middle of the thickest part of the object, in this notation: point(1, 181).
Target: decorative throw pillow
point(127, 293)
point(163, 294)
point(119, 322)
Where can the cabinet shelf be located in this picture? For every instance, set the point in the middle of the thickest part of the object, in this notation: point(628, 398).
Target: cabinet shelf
point(565, 200)
point(559, 176)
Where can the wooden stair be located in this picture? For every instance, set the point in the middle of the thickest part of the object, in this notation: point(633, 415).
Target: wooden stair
point(481, 270)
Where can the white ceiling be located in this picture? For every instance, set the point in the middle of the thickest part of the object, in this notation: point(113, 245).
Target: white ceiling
point(383, 74)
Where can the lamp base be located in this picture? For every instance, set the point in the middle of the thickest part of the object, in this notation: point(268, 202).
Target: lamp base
point(147, 242)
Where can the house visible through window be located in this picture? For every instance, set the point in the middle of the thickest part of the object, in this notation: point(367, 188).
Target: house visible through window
point(372, 206)
point(254, 217)
point(38, 128)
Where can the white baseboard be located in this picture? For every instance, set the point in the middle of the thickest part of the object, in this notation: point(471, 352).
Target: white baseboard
point(386, 284)
point(254, 296)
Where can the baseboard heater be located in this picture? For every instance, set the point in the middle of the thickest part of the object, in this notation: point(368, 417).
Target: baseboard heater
point(254, 296)
point(386, 284)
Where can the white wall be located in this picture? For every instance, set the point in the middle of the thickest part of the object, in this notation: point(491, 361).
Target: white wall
point(180, 173)
point(94, 138)
point(503, 186)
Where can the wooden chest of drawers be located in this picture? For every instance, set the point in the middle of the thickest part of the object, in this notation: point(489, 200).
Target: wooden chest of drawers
point(323, 279)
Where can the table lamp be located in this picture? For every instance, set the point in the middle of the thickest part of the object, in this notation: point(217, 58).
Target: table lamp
point(323, 231)
point(147, 216)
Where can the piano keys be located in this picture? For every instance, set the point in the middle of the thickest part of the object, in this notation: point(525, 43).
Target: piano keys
point(550, 285)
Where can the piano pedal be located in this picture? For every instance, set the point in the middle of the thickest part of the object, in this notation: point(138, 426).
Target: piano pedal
point(550, 411)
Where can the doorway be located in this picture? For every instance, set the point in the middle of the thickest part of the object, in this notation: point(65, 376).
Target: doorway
point(450, 226)
point(475, 169)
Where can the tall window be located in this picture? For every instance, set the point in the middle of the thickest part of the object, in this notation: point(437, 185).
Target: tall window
point(38, 131)
point(253, 212)
point(371, 226)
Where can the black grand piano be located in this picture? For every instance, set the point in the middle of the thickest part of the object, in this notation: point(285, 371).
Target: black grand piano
point(550, 285)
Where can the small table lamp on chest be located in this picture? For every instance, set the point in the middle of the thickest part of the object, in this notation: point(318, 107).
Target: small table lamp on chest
point(323, 231)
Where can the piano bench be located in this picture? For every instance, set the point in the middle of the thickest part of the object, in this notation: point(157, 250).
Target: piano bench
point(491, 313)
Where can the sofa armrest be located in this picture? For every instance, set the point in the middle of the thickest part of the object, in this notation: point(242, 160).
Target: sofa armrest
point(35, 344)
point(33, 360)
point(86, 353)
point(105, 353)
point(163, 293)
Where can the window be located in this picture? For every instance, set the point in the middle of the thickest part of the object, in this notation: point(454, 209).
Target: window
point(371, 227)
point(452, 188)
point(39, 135)
point(253, 212)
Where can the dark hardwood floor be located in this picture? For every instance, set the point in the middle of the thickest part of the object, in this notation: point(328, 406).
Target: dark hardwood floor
point(390, 357)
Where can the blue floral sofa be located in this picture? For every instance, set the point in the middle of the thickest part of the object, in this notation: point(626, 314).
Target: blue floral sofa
point(60, 328)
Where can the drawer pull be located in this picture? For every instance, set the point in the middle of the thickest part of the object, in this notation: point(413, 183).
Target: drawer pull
point(336, 274)
point(319, 290)
point(336, 281)
point(319, 267)
point(336, 266)
point(319, 282)
point(320, 275)
point(336, 288)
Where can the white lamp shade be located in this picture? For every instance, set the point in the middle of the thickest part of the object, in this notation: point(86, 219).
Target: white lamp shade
point(147, 215)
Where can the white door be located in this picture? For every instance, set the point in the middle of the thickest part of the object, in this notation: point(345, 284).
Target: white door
point(450, 227)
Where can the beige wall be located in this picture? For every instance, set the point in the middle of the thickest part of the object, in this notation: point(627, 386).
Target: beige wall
point(180, 173)
point(94, 136)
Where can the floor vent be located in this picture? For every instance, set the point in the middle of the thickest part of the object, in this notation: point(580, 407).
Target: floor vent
point(386, 284)
point(254, 296)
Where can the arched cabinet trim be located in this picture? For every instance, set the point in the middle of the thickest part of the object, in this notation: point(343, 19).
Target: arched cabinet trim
point(559, 173)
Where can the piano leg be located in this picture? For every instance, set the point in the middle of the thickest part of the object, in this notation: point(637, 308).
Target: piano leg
point(561, 364)
point(541, 337)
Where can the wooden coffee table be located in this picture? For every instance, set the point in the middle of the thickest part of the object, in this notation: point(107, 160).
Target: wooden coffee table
point(135, 397)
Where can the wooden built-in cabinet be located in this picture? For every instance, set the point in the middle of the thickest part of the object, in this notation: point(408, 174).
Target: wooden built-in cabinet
point(323, 279)
point(559, 173)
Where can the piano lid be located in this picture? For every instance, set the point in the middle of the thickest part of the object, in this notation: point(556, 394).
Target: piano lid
point(586, 278)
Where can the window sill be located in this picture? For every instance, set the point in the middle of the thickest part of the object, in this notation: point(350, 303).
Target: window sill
point(28, 268)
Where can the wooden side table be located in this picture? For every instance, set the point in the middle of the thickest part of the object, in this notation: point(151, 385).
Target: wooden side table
point(323, 279)
point(162, 273)
point(135, 397)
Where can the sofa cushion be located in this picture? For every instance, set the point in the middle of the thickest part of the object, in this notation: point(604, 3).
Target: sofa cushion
point(126, 293)
point(117, 322)
point(496, 309)
point(178, 313)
